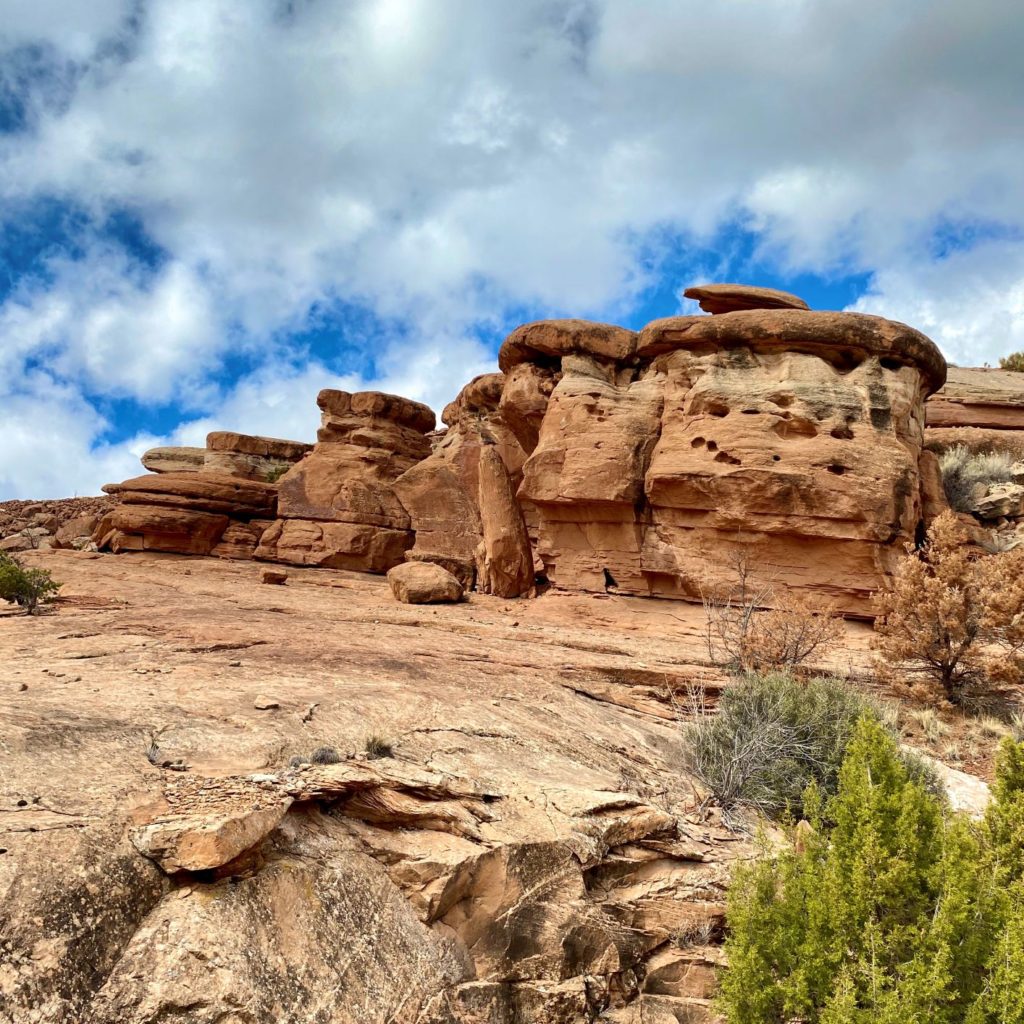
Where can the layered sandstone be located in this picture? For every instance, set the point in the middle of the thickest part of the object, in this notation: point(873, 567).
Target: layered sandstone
point(783, 437)
point(338, 508)
point(462, 502)
point(216, 500)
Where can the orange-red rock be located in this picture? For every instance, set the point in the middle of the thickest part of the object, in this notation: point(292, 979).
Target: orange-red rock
point(461, 499)
point(727, 298)
point(787, 436)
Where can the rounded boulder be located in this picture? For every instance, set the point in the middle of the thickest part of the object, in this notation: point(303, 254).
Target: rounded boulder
point(424, 583)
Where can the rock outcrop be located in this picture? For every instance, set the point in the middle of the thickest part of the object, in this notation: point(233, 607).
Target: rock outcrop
point(783, 436)
point(219, 504)
point(64, 523)
point(338, 508)
point(600, 458)
point(980, 408)
point(461, 499)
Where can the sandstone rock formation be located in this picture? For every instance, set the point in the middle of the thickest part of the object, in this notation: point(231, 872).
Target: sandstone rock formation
point(64, 523)
point(784, 436)
point(337, 508)
point(462, 502)
point(216, 500)
point(603, 459)
point(424, 583)
point(980, 408)
point(531, 854)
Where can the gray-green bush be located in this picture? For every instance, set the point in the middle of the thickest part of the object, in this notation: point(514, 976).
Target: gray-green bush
point(962, 471)
point(773, 735)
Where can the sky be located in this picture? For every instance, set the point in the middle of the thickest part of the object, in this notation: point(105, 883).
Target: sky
point(212, 209)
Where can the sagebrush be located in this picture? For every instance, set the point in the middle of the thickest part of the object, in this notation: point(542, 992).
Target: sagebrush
point(966, 474)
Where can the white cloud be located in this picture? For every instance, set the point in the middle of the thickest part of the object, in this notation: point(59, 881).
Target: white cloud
point(442, 162)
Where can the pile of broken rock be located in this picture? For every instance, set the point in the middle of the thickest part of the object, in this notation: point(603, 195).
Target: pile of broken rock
point(66, 523)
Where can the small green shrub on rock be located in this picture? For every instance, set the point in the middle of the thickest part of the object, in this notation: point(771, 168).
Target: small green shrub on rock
point(963, 470)
point(1014, 361)
point(26, 587)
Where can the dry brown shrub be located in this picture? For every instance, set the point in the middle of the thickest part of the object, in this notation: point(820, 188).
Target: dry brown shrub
point(745, 633)
point(953, 616)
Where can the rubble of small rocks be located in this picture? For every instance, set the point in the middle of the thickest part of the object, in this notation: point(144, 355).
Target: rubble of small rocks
point(63, 523)
point(597, 459)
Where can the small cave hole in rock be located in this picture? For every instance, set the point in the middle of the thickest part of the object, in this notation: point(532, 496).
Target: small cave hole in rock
point(751, 412)
point(712, 447)
point(844, 433)
point(718, 410)
point(843, 360)
point(725, 457)
point(697, 442)
point(795, 427)
point(776, 458)
point(609, 580)
point(782, 401)
point(837, 469)
point(891, 364)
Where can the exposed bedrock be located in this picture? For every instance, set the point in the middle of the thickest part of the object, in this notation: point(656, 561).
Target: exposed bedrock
point(788, 437)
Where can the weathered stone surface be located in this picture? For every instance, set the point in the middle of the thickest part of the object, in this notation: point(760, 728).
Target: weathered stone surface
point(174, 460)
point(155, 528)
point(240, 539)
point(979, 397)
point(1002, 500)
point(727, 298)
point(545, 342)
point(783, 436)
point(201, 492)
point(356, 546)
point(274, 577)
point(250, 457)
point(461, 499)
point(423, 583)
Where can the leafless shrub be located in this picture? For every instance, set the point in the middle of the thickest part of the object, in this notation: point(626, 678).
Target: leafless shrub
point(745, 633)
point(699, 932)
point(377, 747)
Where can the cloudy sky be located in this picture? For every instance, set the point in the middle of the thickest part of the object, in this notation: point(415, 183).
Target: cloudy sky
point(210, 209)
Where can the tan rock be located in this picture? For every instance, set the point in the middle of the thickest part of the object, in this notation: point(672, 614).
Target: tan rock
point(250, 457)
point(198, 492)
point(274, 577)
point(423, 583)
point(978, 397)
point(174, 460)
point(356, 546)
point(728, 298)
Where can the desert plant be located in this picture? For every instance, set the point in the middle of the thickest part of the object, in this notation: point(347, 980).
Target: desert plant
point(963, 471)
point(698, 932)
point(747, 629)
point(892, 911)
point(1014, 361)
point(275, 472)
point(932, 727)
point(771, 737)
point(326, 755)
point(377, 747)
point(28, 588)
point(953, 617)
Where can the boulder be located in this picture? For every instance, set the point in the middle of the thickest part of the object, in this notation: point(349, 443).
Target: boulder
point(1002, 500)
point(200, 492)
point(424, 583)
point(174, 460)
point(728, 298)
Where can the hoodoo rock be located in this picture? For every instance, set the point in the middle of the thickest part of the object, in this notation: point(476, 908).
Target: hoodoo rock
point(462, 498)
point(337, 507)
point(783, 436)
point(645, 463)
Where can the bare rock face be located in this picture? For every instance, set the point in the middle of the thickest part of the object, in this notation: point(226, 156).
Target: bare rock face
point(784, 436)
point(423, 583)
point(980, 398)
point(462, 502)
point(337, 507)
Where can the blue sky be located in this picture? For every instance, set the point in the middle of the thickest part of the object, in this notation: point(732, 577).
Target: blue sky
point(210, 209)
